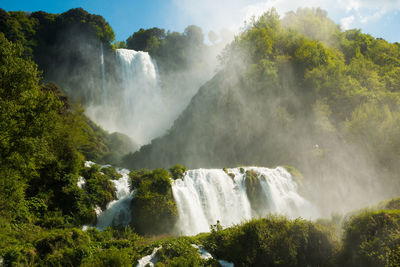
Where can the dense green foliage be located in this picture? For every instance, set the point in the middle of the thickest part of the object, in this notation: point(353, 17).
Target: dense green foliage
point(177, 171)
point(25, 246)
point(63, 45)
point(66, 48)
point(98, 186)
point(153, 208)
point(273, 242)
point(391, 204)
point(173, 51)
point(43, 140)
point(372, 239)
point(180, 252)
point(105, 148)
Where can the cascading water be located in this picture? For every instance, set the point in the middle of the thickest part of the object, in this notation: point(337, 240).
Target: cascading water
point(134, 106)
point(205, 196)
point(118, 211)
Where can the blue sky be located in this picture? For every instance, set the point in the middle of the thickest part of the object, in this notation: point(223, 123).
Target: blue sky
point(379, 18)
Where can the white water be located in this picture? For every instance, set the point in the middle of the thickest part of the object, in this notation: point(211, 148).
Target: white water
point(103, 75)
point(205, 255)
point(81, 182)
point(118, 211)
point(134, 107)
point(205, 196)
point(149, 260)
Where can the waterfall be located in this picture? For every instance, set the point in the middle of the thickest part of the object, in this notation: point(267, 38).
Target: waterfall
point(118, 211)
point(205, 196)
point(135, 105)
point(103, 75)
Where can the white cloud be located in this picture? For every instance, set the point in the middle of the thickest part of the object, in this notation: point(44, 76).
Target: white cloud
point(350, 5)
point(374, 17)
point(346, 22)
point(218, 14)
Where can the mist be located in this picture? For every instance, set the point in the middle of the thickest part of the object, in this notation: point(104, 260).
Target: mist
point(244, 116)
point(213, 113)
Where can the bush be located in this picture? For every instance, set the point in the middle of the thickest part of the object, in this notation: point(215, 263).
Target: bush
point(372, 239)
point(177, 171)
point(391, 204)
point(180, 252)
point(111, 172)
point(98, 186)
point(273, 241)
point(109, 257)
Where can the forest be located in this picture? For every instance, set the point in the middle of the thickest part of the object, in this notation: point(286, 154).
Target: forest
point(288, 91)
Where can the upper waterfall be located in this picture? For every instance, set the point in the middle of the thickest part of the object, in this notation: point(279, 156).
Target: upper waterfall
point(205, 196)
point(134, 105)
point(103, 73)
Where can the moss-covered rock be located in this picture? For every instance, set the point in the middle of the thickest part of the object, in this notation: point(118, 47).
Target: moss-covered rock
point(254, 192)
point(232, 175)
point(153, 208)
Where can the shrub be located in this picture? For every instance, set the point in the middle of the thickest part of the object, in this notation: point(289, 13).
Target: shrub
point(180, 252)
point(372, 239)
point(273, 241)
point(177, 171)
point(111, 172)
point(98, 186)
point(391, 204)
point(109, 257)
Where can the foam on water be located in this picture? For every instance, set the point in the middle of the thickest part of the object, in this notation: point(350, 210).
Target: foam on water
point(205, 196)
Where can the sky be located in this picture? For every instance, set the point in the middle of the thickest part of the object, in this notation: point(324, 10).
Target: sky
point(380, 18)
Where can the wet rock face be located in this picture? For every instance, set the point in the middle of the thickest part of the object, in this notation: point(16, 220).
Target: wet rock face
point(154, 214)
point(153, 208)
point(255, 193)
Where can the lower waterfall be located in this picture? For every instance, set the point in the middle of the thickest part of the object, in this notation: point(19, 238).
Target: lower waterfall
point(205, 196)
point(230, 196)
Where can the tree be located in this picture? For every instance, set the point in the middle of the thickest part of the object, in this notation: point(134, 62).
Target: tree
point(194, 35)
point(212, 37)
